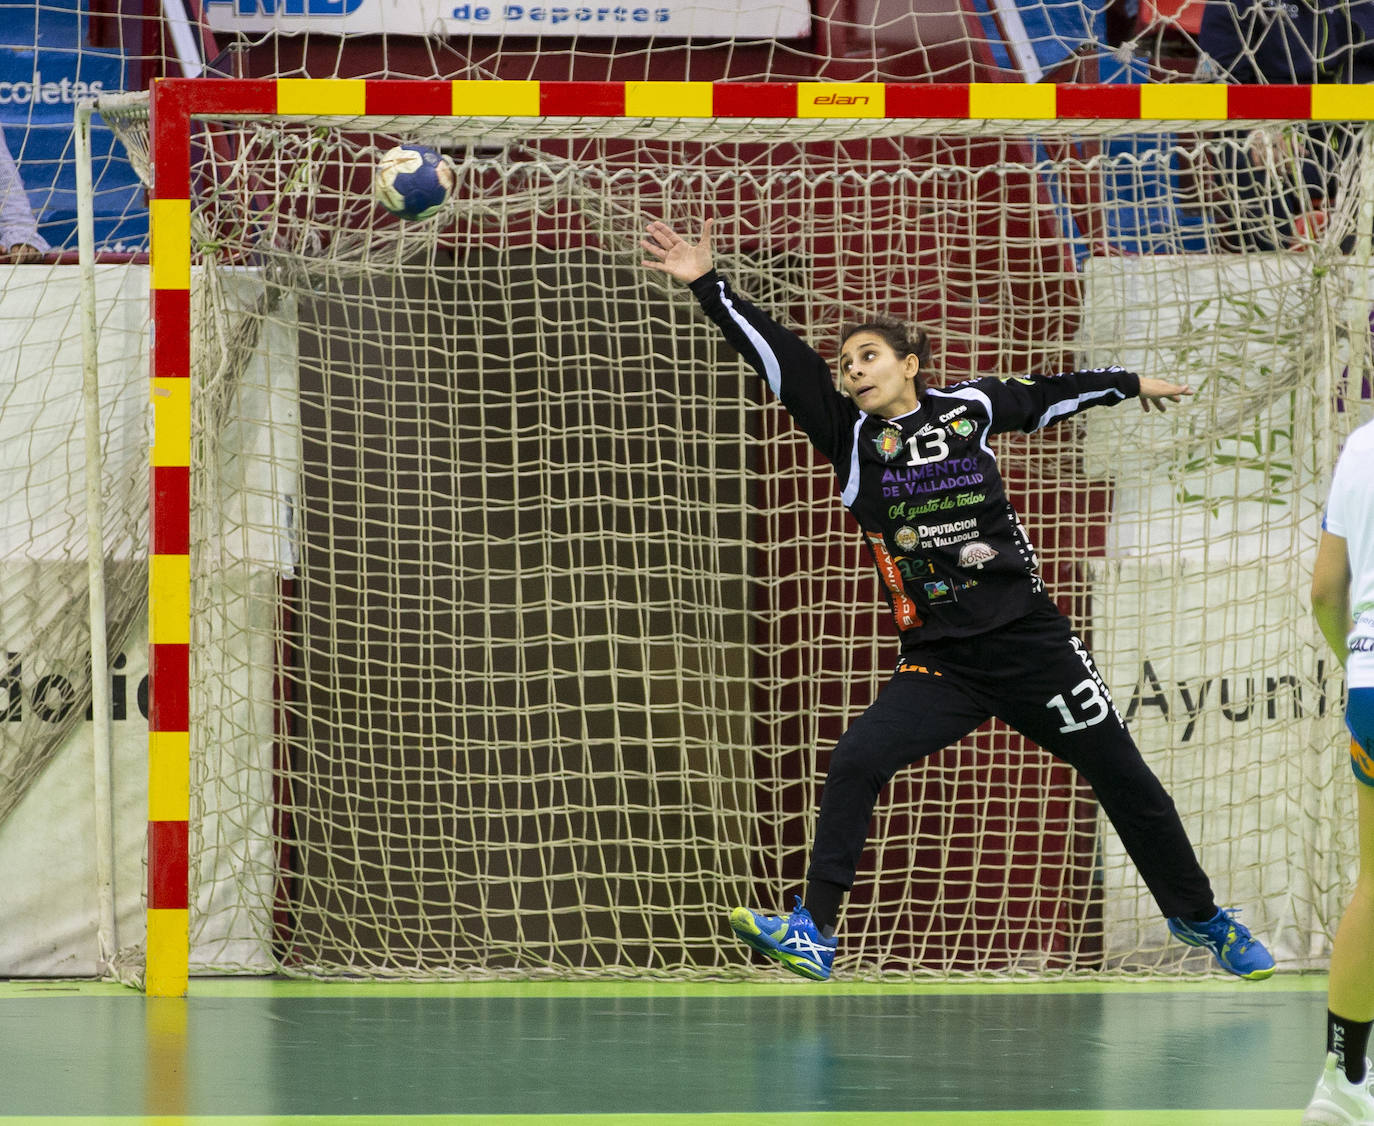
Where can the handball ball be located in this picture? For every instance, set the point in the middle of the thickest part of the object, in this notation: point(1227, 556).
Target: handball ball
point(414, 181)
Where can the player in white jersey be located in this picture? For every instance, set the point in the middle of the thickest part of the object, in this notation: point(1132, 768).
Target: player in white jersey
point(1343, 603)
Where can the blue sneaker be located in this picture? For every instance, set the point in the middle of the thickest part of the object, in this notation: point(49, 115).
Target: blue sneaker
point(795, 941)
point(1237, 951)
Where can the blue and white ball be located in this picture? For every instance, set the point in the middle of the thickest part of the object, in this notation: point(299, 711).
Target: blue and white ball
point(414, 181)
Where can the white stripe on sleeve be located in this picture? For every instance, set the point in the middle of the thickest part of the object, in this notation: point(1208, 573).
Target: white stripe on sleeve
point(772, 372)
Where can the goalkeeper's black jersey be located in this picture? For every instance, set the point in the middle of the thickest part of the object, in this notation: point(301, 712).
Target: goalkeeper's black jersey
point(925, 488)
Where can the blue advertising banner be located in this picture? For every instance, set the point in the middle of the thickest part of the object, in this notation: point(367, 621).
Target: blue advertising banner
point(46, 68)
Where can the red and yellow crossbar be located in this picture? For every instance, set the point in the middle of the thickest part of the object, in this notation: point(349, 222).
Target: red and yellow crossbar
point(1000, 101)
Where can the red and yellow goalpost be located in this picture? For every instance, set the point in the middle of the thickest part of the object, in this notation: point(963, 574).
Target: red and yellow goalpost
point(979, 111)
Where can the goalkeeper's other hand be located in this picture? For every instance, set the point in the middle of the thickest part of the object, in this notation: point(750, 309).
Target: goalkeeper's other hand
point(1153, 392)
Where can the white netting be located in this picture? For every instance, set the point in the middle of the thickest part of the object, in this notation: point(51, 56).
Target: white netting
point(523, 621)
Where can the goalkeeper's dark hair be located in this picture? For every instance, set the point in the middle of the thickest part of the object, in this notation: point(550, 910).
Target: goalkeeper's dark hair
point(900, 338)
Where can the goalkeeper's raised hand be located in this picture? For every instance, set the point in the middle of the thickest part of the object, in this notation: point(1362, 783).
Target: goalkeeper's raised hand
point(674, 255)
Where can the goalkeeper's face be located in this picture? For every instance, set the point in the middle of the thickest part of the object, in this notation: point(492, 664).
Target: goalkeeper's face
point(878, 380)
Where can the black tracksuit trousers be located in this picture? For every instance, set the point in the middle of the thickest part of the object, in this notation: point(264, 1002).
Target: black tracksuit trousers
point(1036, 676)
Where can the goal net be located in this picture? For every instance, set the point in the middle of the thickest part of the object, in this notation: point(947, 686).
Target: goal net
point(521, 621)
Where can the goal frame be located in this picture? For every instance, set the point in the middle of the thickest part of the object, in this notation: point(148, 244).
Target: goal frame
point(175, 102)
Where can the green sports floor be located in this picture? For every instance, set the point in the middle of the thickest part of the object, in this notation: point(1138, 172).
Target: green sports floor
point(248, 1052)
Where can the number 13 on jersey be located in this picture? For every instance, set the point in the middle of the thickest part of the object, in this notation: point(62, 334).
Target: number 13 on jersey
point(1088, 707)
